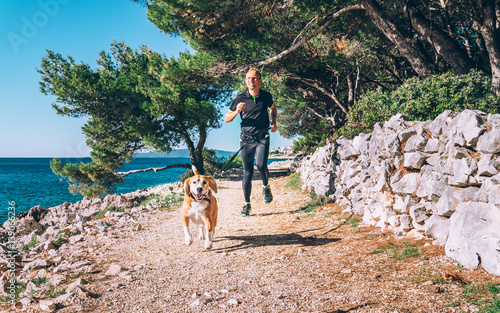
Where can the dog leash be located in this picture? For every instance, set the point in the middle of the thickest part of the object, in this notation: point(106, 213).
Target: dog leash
point(233, 157)
point(253, 137)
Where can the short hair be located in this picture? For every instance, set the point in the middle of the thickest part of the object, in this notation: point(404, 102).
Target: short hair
point(253, 69)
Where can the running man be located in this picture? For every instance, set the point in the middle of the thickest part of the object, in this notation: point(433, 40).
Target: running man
point(253, 106)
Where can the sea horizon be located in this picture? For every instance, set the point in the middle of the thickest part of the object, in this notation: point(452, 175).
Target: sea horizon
point(29, 181)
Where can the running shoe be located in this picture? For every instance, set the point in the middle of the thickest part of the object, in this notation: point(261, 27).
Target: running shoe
point(246, 210)
point(268, 196)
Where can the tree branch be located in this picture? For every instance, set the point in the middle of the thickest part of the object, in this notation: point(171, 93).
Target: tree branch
point(315, 84)
point(295, 44)
point(155, 169)
point(312, 35)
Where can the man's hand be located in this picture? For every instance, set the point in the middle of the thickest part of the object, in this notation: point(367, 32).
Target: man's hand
point(230, 115)
point(240, 107)
point(274, 114)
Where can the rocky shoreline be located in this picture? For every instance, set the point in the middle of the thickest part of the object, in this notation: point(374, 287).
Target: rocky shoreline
point(55, 245)
point(132, 258)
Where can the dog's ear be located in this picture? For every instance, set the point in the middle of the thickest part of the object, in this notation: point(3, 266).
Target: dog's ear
point(212, 184)
point(195, 170)
point(187, 186)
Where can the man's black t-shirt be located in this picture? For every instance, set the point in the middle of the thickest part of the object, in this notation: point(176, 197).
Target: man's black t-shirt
point(255, 116)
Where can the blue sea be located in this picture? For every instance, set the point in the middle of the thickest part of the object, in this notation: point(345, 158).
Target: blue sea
point(30, 181)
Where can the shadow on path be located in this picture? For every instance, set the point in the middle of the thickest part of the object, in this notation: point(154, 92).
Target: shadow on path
point(273, 240)
point(236, 174)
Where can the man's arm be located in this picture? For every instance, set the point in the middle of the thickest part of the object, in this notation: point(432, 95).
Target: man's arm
point(274, 115)
point(230, 115)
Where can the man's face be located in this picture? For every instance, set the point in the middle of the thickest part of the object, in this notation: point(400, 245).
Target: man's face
point(253, 80)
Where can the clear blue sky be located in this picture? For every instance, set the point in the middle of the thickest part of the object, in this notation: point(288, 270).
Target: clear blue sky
point(29, 127)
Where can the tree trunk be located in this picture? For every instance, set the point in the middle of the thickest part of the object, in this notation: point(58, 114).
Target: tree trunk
point(410, 50)
point(445, 46)
point(487, 28)
point(195, 154)
point(197, 160)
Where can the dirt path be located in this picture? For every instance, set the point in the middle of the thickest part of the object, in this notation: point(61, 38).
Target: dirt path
point(276, 260)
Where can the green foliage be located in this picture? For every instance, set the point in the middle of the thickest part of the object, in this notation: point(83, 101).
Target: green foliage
point(31, 244)
point(314, 202)
point(59, 241)
point(88, 179)
point(421, 100)
point(166, 201)
point(319, 81)
point(294, 182)
point(376, 251)
point(354, 221)
point(473, 292)
point(39, 280)
point(102, 214)
point(215, 164)
point(18, 287)
point(314, 85)
point(56, 292)
point(310, 142)
point(134, 100)
point(401, 252)
point(494, 307)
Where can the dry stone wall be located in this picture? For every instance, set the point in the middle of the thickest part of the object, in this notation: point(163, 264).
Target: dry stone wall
point(438, 179)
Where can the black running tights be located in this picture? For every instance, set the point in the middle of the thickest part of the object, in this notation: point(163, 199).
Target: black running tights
point(258, 150)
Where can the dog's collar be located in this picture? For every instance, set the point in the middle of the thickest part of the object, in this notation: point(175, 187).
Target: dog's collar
point(204, 199)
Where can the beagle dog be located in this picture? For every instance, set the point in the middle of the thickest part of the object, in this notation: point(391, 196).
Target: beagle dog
point(200, 206)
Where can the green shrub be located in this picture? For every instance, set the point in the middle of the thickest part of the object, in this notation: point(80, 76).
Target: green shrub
point(213, 164)
point(39, 281)
point(421, 100)
point(31, 244)
point(294, 182)
point(168, 200)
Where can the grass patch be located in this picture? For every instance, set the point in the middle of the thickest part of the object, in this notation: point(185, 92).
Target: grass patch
point(59, 241)
point(354, 221)
point(31, 244)
point(19, 287)
point(486, 296)
point(452, 304)
point(493, 307)
point(164, 201)
point(314, 202)
point(102, 214)
point(472, 292)
point(400, 251)
point(39, 281)
point(56, 292)
point(294, 182)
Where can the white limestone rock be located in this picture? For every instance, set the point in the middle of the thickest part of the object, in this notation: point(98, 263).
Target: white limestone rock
point(438, 228)
point(408, 184)
point(418, 213)
point(447, 203)
point(469, 125)
point(474, 237)
point(487, 166)
point(414, 160)
point(489, 142)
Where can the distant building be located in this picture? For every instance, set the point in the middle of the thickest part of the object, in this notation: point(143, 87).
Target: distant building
point(286, 150)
